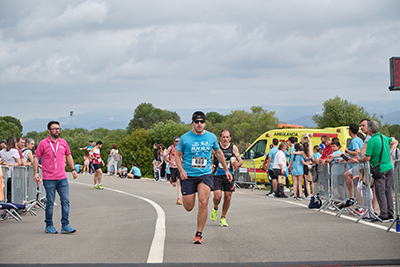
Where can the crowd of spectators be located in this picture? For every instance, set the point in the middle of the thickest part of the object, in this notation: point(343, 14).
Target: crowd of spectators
point(365, 146)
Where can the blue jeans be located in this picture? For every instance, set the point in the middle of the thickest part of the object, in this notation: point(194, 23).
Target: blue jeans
point(62, 187)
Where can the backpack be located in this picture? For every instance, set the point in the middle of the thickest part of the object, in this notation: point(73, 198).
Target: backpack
point(117, 157)
point(315, 202)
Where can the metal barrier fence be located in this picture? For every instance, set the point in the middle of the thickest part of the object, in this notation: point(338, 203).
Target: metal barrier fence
point(246, 174)
point(396, 182)
point(23, 187)
point(332, 188)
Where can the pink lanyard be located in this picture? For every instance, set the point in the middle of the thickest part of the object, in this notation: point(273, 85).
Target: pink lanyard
point(55, 153)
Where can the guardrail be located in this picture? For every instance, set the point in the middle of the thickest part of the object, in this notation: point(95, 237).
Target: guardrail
point(246, 174)
point(331, 187)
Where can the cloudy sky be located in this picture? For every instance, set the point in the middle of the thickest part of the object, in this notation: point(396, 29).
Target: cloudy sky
point(99, 56)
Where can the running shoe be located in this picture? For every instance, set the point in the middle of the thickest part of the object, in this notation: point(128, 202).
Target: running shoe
point(295, 198)
point(100, 187)
point(178, 201)
point(67, 229)
point(96, 187)
point(223, 222)
point(349, 202)
point(213, 215)
point(50, 230)
point(198, 239)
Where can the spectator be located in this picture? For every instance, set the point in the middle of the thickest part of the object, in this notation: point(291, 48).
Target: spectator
point(54, 151)
point(123, 171)
point(27, 151)
point(89, 147)
point(20, 144)
point(379, 144)
point(307, 165)
point(279, 168)
point(135, 172)
point(3, 144)
point(78, 167)
point(87, 159)
point(364, 130)
point(326, 141)
point(155, 159)
point(354, 148)
point(10, 158)
point(114, 159)
point(297, 166)
point(161, 157)
point(336, 152)
point(270, 164)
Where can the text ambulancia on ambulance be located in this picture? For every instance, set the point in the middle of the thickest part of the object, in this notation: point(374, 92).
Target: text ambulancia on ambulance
point(260, 147)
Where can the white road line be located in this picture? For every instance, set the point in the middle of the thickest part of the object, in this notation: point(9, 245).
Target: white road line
point(376, 225)
point(156, 253)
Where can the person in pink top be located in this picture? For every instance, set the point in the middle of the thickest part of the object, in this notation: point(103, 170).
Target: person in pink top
point(53, 150)
point(175, 176)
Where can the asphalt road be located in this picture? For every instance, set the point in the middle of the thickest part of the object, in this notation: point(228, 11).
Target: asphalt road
point(138, 221)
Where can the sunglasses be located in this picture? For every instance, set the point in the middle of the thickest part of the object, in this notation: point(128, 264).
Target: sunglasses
point(197, 122)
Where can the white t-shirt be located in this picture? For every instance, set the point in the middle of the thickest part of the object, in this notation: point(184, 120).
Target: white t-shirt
point(113, 153)
point(280, 158)
point(9, 157)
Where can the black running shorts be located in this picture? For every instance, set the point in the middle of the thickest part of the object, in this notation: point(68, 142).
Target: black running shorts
point(96, 166)
point(175, 175)
point(221, 183)
point(189, 186)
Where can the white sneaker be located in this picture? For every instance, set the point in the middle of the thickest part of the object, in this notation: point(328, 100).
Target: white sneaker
point(286, 190)
point(272, 194)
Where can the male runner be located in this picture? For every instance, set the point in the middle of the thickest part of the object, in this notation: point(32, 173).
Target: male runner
point(193, 158)
point(220, 179)
point(174, 179)
point(97, 161)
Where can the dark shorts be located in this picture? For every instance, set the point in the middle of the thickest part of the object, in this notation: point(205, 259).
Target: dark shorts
point(272, 175)
point(137, 177)
point(305, 168)
point(96, 166)
point(189, 186)
point(221, 183)
point(175, 175)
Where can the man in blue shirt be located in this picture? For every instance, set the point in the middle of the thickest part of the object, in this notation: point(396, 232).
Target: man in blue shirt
point(193, 158)
point(354, 148)
point(270, 163)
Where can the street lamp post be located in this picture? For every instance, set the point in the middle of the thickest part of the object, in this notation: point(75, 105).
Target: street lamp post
point(71, 114)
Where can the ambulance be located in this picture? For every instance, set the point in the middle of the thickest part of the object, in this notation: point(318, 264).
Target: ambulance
point(260, 147)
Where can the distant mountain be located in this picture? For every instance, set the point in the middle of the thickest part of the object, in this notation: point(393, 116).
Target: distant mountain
point(120, 120)
point(305, 121)
point(391, 118)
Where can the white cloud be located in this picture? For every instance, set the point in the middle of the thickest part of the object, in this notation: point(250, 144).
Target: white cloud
point(246, 53)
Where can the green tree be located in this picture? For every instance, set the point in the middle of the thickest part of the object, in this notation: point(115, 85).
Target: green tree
point(245, 126)
point(338, 112)
point(164, 132)
point(215, 117)
point(8, 129)
point(10, 126)
point(394, 130)
point(146, 116)
point(138, 148)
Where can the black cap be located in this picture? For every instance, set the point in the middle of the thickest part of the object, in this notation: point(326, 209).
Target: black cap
point(3, 141)
point(198, 115)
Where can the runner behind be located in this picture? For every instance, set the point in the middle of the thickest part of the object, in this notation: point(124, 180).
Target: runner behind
point(174, 172)
point(221, 182)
